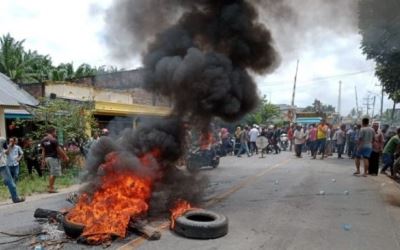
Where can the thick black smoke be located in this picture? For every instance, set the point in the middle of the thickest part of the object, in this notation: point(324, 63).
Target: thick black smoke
point(202, 62)
point(200, 56)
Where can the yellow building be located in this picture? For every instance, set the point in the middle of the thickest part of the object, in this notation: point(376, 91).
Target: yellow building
point(118, 98)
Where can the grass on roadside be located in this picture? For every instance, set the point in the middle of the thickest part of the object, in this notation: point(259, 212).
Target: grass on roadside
point(28, 185)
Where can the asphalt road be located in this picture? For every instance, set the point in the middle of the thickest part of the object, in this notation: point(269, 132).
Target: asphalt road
point(272, 203)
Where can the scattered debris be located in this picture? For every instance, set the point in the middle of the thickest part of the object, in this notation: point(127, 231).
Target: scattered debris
point(346, 227)
point(72, 198)
point(148, 231)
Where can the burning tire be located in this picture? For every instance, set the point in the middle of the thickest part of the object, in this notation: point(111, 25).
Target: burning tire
point(71, 229)
point(201, 224)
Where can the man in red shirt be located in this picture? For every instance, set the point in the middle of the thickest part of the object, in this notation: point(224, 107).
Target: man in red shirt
point(290, 137)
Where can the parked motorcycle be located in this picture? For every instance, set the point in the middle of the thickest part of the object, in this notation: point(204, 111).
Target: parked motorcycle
point(198, 159)
point(284, 142)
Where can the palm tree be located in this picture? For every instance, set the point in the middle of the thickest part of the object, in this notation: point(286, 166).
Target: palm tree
point(12, 58)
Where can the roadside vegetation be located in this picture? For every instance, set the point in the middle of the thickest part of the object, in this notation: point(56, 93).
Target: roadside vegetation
point(30, 185)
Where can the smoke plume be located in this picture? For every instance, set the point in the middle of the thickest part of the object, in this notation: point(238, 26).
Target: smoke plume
point(200, 55)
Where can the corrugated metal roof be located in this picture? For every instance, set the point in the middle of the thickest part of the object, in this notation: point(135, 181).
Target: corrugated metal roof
point(12, 95)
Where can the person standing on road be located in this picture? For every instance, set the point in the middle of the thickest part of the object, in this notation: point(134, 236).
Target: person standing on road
point(364, 146)
point(5, 173)
point(254, 133)
point(322, 130)
point(244, 140)
point(290, 137)
point(299, 139)
point(377, 148)
point(32, 157)
point(392, 147)
point(340, 135)
point(350, 142)
point(236, 147)
point(312, 137)
point(50, 153)
point(14, 156)
point(224, 137)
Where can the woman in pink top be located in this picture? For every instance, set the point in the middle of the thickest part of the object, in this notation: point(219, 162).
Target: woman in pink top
point(312, 137)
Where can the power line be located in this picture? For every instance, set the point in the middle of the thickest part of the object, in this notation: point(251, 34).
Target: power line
point(318, 79)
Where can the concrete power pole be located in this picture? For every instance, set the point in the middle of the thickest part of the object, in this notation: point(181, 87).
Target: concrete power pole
point(292, 109)
point(368, 101)
point(381, 103)
point(294, 84)
point(358, 110)
point(373, 107)
point(340, 98)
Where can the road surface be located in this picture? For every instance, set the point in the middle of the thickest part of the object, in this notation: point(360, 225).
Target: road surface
point(279, 202)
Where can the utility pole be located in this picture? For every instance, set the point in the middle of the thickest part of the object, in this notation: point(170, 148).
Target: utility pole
point(358, 110)
point(373, 107)
point(368, 102)
point(340, 98)
point(294, 85)
point(293, 110)
point(382, 103)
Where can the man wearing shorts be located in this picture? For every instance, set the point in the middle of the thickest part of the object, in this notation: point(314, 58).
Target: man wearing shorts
point(50, 153)
point(364, 146)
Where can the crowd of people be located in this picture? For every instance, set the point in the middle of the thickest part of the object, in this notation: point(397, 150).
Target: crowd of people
point(367, 145)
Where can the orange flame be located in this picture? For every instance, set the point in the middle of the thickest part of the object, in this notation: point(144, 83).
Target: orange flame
point(181, 207)
point(122, 195)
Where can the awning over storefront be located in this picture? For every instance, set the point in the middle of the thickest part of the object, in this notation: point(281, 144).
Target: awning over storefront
point(120, 109)
point(16, 113)
point(308, 120)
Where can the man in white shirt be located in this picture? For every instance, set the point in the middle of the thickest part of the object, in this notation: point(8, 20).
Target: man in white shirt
point(254, 133)
point(299, 140)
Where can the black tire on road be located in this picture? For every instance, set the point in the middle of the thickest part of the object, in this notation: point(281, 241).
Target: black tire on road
point(201, 224)
point(71, 229)
point(215, 163)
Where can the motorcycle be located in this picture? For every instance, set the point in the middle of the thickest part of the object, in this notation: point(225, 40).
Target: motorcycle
point(226, 147)
point(202, 158)
point(284, 142)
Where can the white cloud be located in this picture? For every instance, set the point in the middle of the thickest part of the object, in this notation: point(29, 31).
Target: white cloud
point(63, 29)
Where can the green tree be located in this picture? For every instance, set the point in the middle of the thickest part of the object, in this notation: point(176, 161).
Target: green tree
point(13, 61)
point(318, 107)
point(29, 66)
point(71, 119)
point(379, 25)
point(265, 112)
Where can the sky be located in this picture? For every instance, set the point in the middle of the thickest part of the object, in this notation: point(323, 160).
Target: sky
point(74, 31)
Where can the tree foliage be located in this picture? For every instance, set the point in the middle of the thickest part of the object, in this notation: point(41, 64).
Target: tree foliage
point(318, 107)
point(265, 112)
point(379, 24)
point(29, 66)
point(70, 119)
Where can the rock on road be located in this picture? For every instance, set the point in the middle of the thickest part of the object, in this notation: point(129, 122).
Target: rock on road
point(279, 202)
